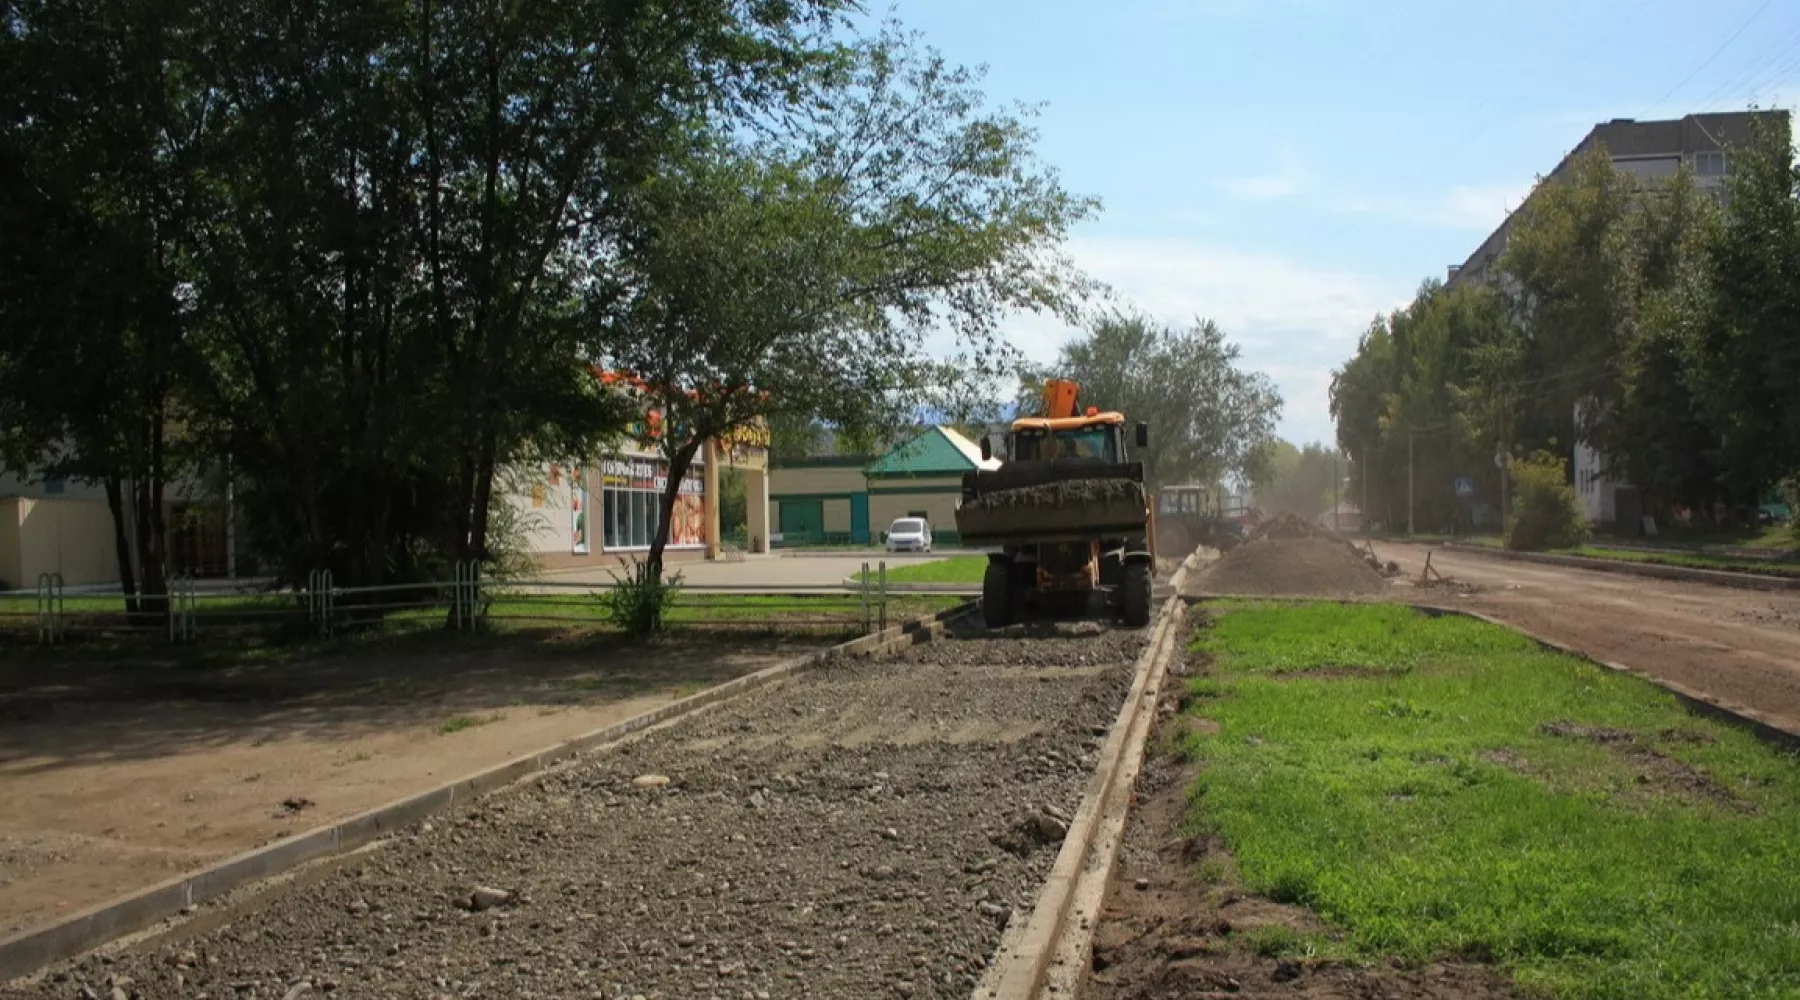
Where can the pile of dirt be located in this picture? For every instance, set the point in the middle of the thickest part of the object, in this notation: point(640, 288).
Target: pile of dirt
point(1289, 526)
point(1067, 492)
point(1309, 566)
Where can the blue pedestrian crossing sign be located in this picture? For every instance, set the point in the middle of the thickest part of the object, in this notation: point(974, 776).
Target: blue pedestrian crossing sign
point(1465, 486)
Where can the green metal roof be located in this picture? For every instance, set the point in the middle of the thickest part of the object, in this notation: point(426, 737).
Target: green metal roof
point(929, 453)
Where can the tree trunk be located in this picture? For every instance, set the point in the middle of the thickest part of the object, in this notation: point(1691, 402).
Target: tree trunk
point(115, 503)
point(680, 461)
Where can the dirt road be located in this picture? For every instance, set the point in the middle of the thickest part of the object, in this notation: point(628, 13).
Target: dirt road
point(866, 830)
point(1739, 646)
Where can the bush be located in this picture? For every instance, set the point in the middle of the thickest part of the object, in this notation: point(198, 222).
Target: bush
point(1546, 513)
point(639, 603)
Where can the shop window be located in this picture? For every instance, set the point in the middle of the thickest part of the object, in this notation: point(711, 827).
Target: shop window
point(631, 505)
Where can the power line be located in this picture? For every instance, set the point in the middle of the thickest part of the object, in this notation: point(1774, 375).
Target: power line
point(1755, 70)
point(1709, 59)
point(1544, 81)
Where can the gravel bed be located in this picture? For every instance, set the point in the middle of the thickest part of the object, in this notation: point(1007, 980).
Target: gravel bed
point(865, 831)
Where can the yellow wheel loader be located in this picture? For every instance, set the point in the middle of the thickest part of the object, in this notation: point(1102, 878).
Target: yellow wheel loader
point(1065, 515)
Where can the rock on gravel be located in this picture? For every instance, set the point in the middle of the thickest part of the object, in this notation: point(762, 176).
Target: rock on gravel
point(871, 867)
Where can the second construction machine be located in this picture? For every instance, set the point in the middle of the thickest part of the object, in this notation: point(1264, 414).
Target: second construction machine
point(1065, 516)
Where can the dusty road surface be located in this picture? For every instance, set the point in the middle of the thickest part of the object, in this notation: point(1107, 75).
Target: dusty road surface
point(1740, 646)
point(864, 831)
point(116, 776)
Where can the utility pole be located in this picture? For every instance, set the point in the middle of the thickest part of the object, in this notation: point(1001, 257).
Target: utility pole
point(1365, 491)
point(1409, 482)
point(1336, 478)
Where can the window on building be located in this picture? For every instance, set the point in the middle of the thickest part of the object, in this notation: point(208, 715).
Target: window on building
point(631, 505)
point(54, 486)
point(1713, 164)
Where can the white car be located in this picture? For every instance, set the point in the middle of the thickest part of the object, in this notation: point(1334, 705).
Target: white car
point(909, 534)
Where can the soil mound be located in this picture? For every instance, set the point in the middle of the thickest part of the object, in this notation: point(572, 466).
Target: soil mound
point(1307, 566)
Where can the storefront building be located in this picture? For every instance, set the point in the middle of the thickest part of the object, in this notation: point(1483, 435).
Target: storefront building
point(605, 513)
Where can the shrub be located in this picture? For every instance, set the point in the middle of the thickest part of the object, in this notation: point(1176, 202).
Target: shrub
point(639, 602)
point(1546, 512)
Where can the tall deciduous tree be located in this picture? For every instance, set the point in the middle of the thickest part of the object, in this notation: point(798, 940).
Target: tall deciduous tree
point(1209, 418)
point(1299, 480)
point(796, 273)
point(1738, 313)
point(100, 128)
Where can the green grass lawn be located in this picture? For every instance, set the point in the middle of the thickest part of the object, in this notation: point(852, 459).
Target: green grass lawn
point(1445, 788)
point(1695, 560)
point(1671, 556)
point(956, 569)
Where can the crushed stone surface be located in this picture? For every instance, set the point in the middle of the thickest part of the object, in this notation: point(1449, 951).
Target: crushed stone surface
point(867, 830)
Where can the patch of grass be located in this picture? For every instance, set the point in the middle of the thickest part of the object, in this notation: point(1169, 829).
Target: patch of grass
point(1427, 812)
point(956, 569)
point(1282, 941)
point(1388, 639)
point(458, 723)
point(1695, 560)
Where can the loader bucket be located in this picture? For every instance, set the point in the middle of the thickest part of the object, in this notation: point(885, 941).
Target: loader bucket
point(1057, 510)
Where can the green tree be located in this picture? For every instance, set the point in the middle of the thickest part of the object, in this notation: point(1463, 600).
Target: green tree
point(1404, 412)
point(1736, 313)
point(1299, 480)
point(100, 126)
point(1209, 418)
point(796, 274)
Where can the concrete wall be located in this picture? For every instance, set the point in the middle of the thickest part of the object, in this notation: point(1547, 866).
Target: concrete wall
point(939, 508)
point(837, 516)
point(71, 537)
point(811, 480)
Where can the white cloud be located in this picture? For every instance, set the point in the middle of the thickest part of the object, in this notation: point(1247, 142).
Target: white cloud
point(1288, 179)
point(1478, 208)
point(1294, 323)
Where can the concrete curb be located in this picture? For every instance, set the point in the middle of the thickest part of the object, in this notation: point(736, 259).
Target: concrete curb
point(1718, 577)
point(1022, 962)
point(27, 952)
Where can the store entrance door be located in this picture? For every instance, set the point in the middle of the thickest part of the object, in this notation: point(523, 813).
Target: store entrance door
point(859, 518)
point(802, 521)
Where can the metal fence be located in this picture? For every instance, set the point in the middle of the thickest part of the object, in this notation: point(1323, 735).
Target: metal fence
point(467, 602)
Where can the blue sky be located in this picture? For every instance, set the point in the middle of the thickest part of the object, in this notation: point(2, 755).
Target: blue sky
point(1290, 168)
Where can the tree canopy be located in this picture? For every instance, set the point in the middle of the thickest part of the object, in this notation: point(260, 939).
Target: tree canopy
point(367, 258)
point(1210, 419)
point(795, 274)
point(1651, 320)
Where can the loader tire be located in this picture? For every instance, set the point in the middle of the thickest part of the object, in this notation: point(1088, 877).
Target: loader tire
point(1138, 595)
point(997, 596)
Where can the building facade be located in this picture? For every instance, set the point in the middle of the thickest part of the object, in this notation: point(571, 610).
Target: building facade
point(1651, 151)
point(603, 514)
point(850, 500)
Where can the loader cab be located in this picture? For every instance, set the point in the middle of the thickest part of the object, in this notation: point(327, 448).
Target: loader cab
point(1097, 436)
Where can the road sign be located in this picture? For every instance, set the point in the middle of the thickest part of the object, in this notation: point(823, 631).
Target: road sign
point(1465, 486)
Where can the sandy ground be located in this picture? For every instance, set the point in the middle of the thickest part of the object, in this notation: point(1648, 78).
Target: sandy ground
point(1740, 646)
point(116, 778)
